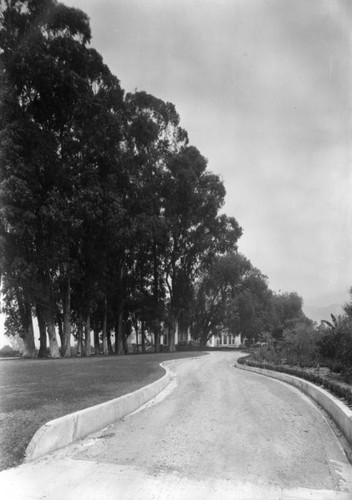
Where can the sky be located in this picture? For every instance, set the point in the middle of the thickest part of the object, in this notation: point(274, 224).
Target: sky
point(264, 90)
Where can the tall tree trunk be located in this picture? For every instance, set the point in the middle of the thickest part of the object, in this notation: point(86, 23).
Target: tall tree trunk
point(203, 342)
point(67, 319)
point(172, 332)
point(157, 331)
point(108, 338)
point(28, 332)
point(124, 335)
point(205, 336)
point(116, 329)
point(97, 346)
point(60, 330)
point(143, 336)
point(50, 324)
point(43, 344)
point(119, 333)
point(80, 335)
point(105, 326)
point(135, 324)
point(87, 348)
point(157, 328)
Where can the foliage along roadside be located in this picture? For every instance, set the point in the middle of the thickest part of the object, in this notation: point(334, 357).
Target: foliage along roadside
point(334, 388)
point(110, 221)
point(108, 215)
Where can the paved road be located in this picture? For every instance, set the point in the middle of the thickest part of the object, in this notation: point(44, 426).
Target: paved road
point(220, 433)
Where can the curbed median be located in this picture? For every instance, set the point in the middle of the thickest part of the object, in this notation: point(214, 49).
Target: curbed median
point(339, 412)
point(65, 430)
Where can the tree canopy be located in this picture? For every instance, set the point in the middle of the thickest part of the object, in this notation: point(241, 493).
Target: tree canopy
point(110, 220)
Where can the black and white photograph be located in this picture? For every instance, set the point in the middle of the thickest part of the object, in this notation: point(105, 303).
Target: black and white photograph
point(176, 249)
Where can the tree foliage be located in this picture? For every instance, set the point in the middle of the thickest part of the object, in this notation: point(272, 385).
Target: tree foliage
point(233, 296)
point(110, 220)
point(108, 215)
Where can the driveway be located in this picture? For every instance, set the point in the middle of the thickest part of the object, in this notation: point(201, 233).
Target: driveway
point(218, 433)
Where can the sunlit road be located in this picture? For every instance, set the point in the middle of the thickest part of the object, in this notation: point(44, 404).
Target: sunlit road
point(221, 433)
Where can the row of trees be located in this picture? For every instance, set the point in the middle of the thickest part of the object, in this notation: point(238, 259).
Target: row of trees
point(234, 296)
point(109, 219)
point(108, 215)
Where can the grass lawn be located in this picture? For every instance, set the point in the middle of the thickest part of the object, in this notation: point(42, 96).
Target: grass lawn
point(32, 392)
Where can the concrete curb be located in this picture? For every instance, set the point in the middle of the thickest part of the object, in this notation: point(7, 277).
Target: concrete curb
point(339, 412)
point(65, 430)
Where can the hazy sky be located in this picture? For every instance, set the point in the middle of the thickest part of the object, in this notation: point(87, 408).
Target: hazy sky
point(263, 88)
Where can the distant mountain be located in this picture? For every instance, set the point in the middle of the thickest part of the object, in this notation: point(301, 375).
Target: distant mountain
point(317, 313)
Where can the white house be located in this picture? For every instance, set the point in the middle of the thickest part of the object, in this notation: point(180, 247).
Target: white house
point(225, 339)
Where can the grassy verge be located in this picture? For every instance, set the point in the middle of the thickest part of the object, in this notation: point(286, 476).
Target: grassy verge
point(32, 392)
point(338, 389)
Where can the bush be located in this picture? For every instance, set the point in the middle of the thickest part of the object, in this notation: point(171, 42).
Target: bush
point(334, 365)
point(336, 389)
point(298, 345)
point(8, 352)
point(268, 353)
point(191, 345)
point(335, 346)
point(328, 344)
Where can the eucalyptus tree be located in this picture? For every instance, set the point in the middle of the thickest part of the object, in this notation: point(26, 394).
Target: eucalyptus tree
point(55, 89)
point(252, 306)
point(231, 295)
point(192, 199)
point(103, 201)
point(286, 311)
point(153, 134)
point(99, 198)
point(216, 291)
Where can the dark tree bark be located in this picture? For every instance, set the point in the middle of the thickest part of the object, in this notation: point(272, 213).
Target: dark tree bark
point(172, 332)
point(119, 333)
point(97, 346)
point(157, 330)
point(80, 335)
point(60, 329)
point(28, 333)
point(50, 324)
point(66, 350)
point(143, 336)
point(108, 338)
point(125, 334)
point(43, 339)
point(105, 326)
point(87, 347)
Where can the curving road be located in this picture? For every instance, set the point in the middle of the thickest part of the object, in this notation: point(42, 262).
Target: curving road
point(218, 433)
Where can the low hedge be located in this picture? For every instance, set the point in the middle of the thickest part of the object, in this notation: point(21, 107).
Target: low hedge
point(337, 390)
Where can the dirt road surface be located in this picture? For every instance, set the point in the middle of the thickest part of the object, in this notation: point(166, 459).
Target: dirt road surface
point(217, 432)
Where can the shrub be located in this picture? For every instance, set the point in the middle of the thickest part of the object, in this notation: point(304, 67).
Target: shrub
point(336, 389)
point(8, 352)
point(334, 365)
point(299, 344)
point(190, 345)
point(335, 346)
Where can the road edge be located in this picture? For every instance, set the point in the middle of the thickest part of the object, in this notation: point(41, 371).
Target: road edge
point(338, 411)
point(62, 431)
